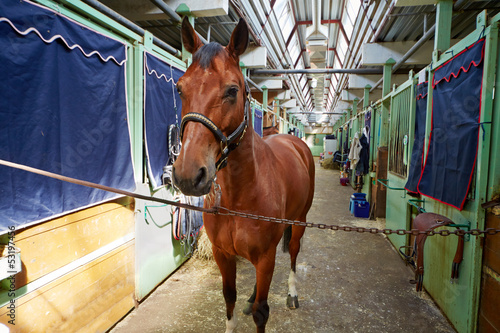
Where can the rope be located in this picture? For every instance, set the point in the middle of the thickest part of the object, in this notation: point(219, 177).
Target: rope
point(104, 188)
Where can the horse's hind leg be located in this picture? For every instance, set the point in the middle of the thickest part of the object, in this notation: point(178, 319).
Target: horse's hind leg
point(227, 267)
point(292, 300)
point(248, 308)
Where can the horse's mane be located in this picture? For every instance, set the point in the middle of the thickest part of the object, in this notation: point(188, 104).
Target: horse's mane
point(206, 53)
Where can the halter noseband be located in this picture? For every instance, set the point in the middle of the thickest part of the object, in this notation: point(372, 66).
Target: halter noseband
point(229, 143)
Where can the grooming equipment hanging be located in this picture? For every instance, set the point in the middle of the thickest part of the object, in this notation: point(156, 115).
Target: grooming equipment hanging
point(174, 141)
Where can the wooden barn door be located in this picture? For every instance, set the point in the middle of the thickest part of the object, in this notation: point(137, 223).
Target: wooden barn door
point(489, 316)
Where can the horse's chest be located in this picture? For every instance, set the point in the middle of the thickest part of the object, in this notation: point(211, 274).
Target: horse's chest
point(242, 236)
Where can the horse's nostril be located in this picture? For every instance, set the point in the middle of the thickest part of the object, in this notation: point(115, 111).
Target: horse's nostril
point(200, 179)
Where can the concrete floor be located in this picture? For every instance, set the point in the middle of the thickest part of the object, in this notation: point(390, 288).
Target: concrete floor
point(347, 282)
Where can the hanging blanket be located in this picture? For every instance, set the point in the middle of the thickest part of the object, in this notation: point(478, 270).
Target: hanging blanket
point(257, 121)
point(417, 155)
point(451, 157)
point(63, 109)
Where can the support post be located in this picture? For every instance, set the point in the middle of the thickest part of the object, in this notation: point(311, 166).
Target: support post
point(264, 97)
point(387, 76)
point(483, 183)
point(277, 113)
point(442, 36)
point(136, 68)
point(366, 96)
point(386, 103)
point(186, 56)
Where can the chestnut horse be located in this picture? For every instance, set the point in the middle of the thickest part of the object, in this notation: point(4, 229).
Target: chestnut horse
point(271, 130)
point(273, 176)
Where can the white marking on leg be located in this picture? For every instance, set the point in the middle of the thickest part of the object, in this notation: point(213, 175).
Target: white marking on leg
point(231, 324)
point(292, 291)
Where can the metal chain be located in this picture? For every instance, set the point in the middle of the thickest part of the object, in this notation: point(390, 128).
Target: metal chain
point(415, 232)
point(228, 212)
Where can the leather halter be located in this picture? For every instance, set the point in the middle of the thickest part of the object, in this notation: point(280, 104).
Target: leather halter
point(229, 143)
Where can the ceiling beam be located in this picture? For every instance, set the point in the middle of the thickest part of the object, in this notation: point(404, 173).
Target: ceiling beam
point(377, 70)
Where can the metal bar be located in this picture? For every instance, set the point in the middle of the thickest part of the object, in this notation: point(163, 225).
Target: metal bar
point(130, 25)
point(316, 112)
point(269, 77)
point(173, 15)
point(167, 10)
point(377, 70)
point(219, 23)
point(381, 181)
point(254, 84)
point(409, 53)
point(412, 202)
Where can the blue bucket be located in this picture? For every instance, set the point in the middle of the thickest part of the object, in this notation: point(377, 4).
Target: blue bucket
point(356, 197)
point(362, 209)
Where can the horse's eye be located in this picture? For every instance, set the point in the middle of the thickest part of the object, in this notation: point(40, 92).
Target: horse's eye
point(232, 92)
point(179, 90)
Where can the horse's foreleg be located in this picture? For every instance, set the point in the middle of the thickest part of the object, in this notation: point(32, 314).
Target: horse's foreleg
point(260, 309)
point(227, 267)
point(292, 300)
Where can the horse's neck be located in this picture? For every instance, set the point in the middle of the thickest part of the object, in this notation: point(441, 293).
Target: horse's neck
point(243, 162)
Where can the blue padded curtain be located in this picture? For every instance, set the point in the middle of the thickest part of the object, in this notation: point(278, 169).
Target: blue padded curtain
point(257, 124)
point(451, 158)
point(417, 154)
point(62, 109)
point(161, 105)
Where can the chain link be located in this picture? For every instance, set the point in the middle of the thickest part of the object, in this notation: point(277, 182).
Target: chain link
point(415, 232)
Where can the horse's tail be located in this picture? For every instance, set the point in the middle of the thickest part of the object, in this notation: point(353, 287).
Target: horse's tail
point(287, 236)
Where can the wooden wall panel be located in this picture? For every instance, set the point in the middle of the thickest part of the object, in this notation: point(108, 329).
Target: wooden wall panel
point(379, 192)
point(91, 298)
point(56, 243)
point(489, 317)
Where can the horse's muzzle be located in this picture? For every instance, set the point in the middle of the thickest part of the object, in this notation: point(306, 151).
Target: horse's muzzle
point(197, 185)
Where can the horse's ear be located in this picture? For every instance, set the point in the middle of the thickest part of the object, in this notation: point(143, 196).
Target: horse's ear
point(239, 40)
point(190, 39)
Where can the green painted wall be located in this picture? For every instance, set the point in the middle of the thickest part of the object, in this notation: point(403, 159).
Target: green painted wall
point(459, 301)
point(315, 143)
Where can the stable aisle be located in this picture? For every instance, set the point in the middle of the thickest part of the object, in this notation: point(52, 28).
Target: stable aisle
point(347, 282)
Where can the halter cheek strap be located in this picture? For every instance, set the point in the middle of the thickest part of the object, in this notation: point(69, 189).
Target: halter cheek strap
point(229, 143)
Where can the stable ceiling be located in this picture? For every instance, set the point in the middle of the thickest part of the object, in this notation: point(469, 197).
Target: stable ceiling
point(312, 34)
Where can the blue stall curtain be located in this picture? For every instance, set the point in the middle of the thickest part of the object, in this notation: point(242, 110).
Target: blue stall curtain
point(162, 108)
point(417, 154)
point(451, 158)
point(257, 122)
point(63, 109)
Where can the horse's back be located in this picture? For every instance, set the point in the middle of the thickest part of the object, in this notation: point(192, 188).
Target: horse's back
point(284, 144)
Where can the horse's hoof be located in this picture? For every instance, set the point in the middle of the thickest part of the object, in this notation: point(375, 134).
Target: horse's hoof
point(292, 302)
point(248, 309)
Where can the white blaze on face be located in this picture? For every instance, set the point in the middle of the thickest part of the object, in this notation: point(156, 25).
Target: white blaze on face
point(231, 324)
point(292, 291)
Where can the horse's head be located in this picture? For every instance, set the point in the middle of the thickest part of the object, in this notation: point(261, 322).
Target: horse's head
point(213, 101)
